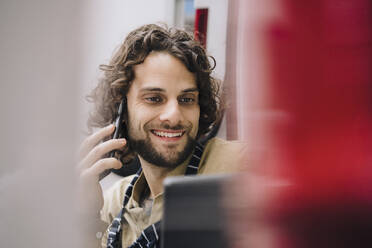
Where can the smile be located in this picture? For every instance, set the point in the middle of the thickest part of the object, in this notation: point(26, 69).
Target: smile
point(168, 134)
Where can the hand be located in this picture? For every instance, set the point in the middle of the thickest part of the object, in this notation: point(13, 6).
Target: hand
point(92, 165)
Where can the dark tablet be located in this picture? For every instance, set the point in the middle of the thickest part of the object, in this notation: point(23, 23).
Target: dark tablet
point(193, 213)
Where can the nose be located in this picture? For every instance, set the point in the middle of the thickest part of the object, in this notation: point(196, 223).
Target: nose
point(172, 113)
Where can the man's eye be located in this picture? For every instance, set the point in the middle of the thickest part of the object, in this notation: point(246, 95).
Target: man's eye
point(187, 100)
point(153, 99)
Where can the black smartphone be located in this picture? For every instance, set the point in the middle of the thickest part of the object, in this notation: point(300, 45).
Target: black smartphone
point(116, 135)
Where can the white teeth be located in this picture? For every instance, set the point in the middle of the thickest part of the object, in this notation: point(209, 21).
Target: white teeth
point(168, 135)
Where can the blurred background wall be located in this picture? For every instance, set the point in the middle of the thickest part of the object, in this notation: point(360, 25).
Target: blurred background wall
point(39, 66)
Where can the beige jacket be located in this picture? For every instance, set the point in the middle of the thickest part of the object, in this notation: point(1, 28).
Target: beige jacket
point(219, 156)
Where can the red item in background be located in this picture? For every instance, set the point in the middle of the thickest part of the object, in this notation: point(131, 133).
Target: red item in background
point(320, 60)
point(321, 76)
point(201, 24)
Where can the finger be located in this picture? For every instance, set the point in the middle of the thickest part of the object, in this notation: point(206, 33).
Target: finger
point(90, 142)
point(100, 150)
point(100, 166)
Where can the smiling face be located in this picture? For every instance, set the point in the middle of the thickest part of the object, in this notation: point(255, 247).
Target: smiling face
point(163, 110)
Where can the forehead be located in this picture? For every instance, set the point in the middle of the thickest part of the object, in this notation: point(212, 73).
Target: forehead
point(164, 71)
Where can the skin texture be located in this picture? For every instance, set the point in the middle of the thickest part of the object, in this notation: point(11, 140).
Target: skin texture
point(89, 195)
point(163, 98)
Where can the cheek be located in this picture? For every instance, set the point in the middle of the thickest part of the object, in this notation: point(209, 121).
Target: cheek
point(140, 117)
point(194, 116)
point(134, 119)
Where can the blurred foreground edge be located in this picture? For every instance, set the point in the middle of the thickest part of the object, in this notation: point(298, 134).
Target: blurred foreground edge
point(318, 67)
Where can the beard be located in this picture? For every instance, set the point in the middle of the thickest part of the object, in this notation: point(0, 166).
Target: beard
point(146, 149)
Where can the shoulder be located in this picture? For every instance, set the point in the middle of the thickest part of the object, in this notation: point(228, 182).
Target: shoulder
point(218, 145)
point(113, 199)
point(222, 156)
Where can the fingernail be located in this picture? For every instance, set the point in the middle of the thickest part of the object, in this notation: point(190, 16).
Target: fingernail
point(123, 141)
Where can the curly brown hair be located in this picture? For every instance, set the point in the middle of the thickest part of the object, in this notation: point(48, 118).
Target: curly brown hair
point(119, 74)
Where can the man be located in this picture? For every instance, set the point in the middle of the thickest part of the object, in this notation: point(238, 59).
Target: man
point(164, 77)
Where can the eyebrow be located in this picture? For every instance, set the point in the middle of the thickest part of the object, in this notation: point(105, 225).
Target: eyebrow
point(153, 89)
point(190, 90)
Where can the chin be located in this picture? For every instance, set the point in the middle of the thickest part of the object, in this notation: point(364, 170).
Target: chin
point(168, 158)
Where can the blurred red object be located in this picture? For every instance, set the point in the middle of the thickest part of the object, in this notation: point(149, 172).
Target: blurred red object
point(315, 190)
point(201, 24)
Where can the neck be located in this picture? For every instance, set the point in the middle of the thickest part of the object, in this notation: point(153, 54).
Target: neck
point(155, 176)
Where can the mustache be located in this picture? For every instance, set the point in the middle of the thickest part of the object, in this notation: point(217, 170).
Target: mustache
point(169, 127)
point(176, 127)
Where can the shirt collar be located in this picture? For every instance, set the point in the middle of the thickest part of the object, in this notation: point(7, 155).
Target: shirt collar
point(141, 184)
